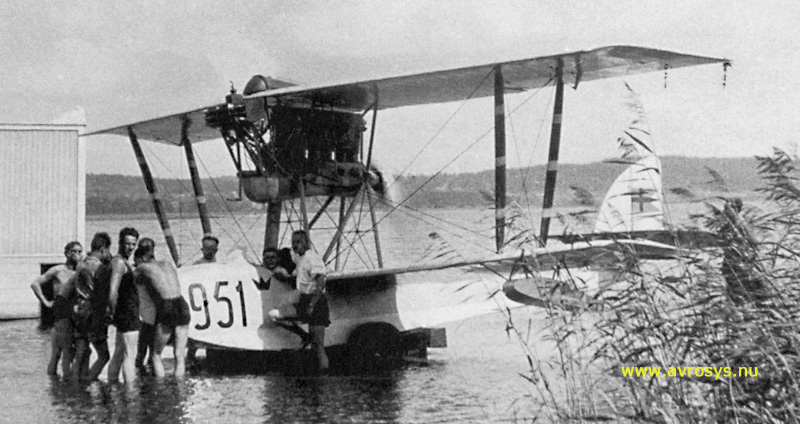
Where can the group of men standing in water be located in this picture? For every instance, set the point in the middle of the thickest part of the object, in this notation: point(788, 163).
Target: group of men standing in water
point(141, 298)
point(102, 290)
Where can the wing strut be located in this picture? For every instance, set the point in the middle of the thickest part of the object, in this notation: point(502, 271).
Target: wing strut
point(552, 160)
point(339, 231)
point(198, 186)
point(499, 159)
point(368, 189)
point(372, 129)
point(273, 224)
point(372, 201)
point(321, 210)
point(151, 188)
point(303, 210)
point(342, 203)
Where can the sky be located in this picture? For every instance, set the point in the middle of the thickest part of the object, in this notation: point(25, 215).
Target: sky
point(112, 63)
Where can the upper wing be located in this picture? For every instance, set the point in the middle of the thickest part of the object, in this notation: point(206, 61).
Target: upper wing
point(471, 82)
point(168, 129)
point(434, 87)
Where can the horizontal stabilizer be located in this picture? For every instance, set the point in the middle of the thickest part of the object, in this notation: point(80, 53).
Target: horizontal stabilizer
point(547, 292)
point(687, 239)
point(600, 253)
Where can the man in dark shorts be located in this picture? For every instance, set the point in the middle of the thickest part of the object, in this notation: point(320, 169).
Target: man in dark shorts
point(313, 305)
point(160, 279)
point(124, 301)
point(91, 326)
point(147, 315)
point(61, 336)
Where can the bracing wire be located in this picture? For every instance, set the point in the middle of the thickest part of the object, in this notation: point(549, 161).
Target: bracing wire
point(227, 207)
point(524, 172)
point(344, 235)
point(463, 152)
point(408, 209)
point(453, 115)
point(169, 194)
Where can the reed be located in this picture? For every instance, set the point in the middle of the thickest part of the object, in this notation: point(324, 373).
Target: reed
point(684, 315)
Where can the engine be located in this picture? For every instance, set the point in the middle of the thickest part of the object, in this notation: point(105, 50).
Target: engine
point(290, 142)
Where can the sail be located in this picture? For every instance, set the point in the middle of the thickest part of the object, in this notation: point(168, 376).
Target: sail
point(635, 200)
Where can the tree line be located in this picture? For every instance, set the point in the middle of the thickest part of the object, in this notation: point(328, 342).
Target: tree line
point(685, 179)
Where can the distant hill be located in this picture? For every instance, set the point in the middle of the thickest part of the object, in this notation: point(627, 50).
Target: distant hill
point(684, 179)
point(108, 194)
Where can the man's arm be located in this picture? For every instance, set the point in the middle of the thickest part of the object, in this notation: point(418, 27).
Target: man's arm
point(280, 274)
point(36, 285)
point(318, 291)
point(118, 269)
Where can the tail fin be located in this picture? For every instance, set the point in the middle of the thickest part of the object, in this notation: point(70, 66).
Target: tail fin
point(635, 201)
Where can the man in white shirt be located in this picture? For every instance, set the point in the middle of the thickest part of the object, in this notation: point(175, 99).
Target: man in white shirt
point(313, 305)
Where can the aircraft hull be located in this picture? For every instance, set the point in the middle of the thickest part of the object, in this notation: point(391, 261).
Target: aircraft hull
point(229, 303)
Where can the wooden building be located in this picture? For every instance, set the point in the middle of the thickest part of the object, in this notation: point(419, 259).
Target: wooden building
point(43, 182)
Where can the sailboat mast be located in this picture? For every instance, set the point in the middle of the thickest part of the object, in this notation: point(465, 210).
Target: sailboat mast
point(552, 160)
point(499, 159)
point(199, 196)
point(151, 188)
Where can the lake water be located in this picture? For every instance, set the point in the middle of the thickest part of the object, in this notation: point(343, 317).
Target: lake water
point(475, 379)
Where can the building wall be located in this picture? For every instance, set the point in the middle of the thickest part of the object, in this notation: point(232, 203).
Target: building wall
point(44, 190)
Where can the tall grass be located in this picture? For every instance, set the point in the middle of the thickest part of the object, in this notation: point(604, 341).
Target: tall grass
point(683, 314)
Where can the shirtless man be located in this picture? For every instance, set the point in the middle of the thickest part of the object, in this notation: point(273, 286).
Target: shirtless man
point(147, 314)
point(93, 326)
point(160, 279)
point(124, 301)
point(61, 337)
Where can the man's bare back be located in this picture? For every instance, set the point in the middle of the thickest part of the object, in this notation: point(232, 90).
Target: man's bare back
point(160, 277)
point(172, 312)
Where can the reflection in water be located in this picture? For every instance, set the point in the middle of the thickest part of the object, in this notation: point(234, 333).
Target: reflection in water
point(146, 401)
point(268, 398)
point(249, 398)
point(331, 399)
point(474, 380)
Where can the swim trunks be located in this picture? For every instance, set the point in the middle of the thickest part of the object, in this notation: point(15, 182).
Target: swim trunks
point(99, 318)
point(126, 315)
point(62, 308)
point(320, 316)
point(173, 312)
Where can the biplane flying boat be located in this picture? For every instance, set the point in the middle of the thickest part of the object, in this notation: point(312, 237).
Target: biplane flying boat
point(291, 143)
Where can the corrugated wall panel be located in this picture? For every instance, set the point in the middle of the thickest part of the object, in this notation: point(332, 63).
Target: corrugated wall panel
point(16, 297)
point(40, 180)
